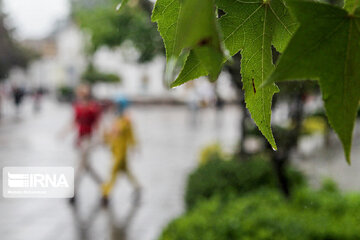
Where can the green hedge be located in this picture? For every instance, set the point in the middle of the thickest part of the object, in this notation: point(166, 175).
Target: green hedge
point(266, 215)
point(65, 93)
point(233, 178)
point(92, 76)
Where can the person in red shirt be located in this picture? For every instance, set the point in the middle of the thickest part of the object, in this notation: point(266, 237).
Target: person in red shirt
point(86, 118)
point(87, 113)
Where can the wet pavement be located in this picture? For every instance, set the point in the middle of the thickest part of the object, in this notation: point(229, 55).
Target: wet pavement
point(169, 146)
point(319, 161)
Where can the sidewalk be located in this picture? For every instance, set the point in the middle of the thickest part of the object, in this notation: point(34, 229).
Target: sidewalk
point(169, 147)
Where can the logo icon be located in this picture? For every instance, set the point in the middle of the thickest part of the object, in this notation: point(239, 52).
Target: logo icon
point(18, 180)
point(38, 182)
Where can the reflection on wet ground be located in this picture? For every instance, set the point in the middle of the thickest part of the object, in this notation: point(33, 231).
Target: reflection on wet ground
point(113, 228)
point(169, 146)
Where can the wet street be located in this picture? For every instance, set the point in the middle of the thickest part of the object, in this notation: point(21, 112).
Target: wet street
point(168, 151)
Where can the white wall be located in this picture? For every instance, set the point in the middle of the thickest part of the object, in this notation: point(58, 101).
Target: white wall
point(70, 62)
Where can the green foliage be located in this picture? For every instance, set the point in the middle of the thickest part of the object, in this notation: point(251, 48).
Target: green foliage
point(108, 27)
point(329, 185)
point(183, 26)
point(266, 215)
point(233, 178)
point(92, 76)
point(166, 13)
point(248, 26)
point(203, 36)
point(327, 49)
point(12, 53)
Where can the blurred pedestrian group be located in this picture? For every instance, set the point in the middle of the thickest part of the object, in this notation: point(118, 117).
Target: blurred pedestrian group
point(13, 96)
point(119, 137)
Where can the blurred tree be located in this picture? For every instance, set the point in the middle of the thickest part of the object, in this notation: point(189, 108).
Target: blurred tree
point(12, 54)
point(109, 27)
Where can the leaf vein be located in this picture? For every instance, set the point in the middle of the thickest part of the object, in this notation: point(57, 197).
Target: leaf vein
point(238, 27)
point(277, 17)
point(262, 62)
point(167, 7)
point(168, 28)
point(191, 70)
point(254, 54)
point(177, 27)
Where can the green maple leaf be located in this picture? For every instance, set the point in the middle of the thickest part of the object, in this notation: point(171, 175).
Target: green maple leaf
point(251, 26)
point(183, 26)
point(166, 13)
point(326, 47)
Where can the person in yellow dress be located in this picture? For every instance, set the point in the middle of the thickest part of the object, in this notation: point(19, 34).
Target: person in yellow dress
point(120, 139)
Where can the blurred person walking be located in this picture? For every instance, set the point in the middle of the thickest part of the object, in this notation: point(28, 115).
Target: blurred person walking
point(86, 119)
point(120, 139)
point(18, 94)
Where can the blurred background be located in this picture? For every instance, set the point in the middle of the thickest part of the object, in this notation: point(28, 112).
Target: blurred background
point(205, 170)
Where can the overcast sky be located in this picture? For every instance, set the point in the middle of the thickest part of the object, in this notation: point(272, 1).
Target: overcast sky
point(35, 18)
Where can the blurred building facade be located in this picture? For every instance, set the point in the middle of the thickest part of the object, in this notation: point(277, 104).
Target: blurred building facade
point(63, 60)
